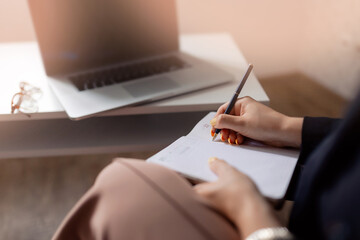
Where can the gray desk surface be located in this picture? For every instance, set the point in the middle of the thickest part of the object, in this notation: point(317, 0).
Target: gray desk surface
point(146, 127)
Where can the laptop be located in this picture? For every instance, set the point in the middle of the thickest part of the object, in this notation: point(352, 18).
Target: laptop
point(104, 54)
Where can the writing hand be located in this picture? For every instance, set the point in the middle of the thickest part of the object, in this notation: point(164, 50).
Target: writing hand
point(254, 120)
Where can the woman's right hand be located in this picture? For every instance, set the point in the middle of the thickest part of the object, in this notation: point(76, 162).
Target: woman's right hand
point(254, 120)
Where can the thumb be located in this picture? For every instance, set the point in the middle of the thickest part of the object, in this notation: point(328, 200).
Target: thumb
point(219, 167)
point(227, 121)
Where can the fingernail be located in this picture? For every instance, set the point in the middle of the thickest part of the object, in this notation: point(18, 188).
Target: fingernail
point(212, 160)
point(213, 122)
point(222, 138)
point(237, 142)
point(212, 133)
point(229, 140)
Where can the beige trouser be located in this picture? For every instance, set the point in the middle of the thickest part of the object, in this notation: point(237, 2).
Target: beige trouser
point(132, 199)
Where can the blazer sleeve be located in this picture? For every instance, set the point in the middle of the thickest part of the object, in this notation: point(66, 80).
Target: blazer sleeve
point(314, 130)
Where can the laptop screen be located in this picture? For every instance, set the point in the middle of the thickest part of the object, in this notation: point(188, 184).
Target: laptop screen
point(76, 35)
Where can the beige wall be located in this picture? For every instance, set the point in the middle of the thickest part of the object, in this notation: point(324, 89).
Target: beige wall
point(331, 47)
point(15, 22)
point(318, 37)
point(267, 32)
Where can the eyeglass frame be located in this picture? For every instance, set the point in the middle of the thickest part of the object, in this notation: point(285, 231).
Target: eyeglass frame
point(23, 92)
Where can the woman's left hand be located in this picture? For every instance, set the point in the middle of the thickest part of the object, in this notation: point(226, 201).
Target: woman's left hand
point(237, 196)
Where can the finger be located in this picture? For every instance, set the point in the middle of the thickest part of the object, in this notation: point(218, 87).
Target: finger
point(241, 104)
point(212, 131)
point(206, 190)
point(221, 109)
point(219, 167)
point(198, 187)
point(235, 123)
point(232, 137)
point(213, 122)
point(239, 139)
point(201, 187)
point(224, 134)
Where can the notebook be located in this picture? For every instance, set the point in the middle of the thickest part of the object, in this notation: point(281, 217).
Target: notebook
point(270, 168)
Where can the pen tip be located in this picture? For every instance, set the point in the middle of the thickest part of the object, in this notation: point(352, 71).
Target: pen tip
point(214, 136)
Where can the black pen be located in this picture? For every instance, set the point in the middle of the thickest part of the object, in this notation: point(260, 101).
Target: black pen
point(235, 97)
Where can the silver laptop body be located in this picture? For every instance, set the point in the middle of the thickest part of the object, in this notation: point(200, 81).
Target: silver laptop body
point(104, 54)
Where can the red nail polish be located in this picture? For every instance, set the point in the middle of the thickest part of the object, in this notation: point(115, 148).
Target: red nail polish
point(222, 138)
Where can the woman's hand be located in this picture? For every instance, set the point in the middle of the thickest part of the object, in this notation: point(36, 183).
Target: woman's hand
point(235, 195)
point(256, 121)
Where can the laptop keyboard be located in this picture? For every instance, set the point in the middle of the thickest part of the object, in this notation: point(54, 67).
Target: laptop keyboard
point(122, 74)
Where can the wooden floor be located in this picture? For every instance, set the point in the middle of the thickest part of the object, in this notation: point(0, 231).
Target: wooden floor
point(297, 95)
point(36, 193)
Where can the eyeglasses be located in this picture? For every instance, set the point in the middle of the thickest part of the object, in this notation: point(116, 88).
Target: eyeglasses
point(25, 101)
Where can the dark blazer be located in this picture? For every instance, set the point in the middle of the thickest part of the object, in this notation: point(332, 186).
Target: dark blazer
point(327, 197)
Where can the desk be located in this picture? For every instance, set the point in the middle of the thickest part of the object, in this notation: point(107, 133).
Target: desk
point(146, 127)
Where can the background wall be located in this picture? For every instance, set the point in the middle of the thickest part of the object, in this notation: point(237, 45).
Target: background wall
point(15, 21)
point(331, 45)
point(318, 37)
point(267, 32)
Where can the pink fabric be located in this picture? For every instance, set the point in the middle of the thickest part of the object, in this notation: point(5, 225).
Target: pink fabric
point(132, 199)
